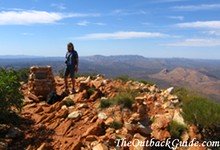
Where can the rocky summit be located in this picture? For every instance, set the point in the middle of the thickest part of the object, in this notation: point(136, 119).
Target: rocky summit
point(96, 116)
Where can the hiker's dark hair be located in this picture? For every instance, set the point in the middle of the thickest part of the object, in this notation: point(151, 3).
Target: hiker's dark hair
point(71, 44)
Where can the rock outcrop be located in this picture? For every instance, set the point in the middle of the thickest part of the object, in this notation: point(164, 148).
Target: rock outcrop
point(92, 119)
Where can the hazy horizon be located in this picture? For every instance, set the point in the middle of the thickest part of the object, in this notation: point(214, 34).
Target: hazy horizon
point(41, 56)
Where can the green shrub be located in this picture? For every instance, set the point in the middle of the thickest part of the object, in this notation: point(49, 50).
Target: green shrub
point(132, 92)
point(123, 78)
point(10, 95)
point(116, 125)
point(184, 94)
point(176, 129)
point(90, 91)
point(202, 112)
point(124, 99)
point(68, 102)
point(105, 103)
point(146, 82)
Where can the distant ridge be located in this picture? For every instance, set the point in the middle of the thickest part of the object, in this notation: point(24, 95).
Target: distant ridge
point(107, 57)
point(191, 78)
point(200, 73)
point(18, 56)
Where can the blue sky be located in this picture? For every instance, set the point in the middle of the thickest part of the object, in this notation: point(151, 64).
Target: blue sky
point(152, 28)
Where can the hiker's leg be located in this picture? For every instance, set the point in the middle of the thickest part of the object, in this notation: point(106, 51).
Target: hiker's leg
point(67, 72)
point(72, 76)
point(66, 82)
point(73, 83)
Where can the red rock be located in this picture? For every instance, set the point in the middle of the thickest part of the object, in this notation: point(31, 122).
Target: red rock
point(91, 138)
point(83, 86)
point(49, 118)
point(160, 134)
point(42, 147)
point(39, 109)
point(136, 139)
point(160, 123)
point(62, 113)
point(96, 95)
point(57, 106)
point(49, 109)
point(29, 106)
point(200, 147)
point(193, 132)
point(41, 118)
point(100, 146)
point(33, 97)
point(63, 127)
point(95, 129)
point(97, 83)
point(54, 124)
point(94, 119)
point(77, 145)
point(80, 96)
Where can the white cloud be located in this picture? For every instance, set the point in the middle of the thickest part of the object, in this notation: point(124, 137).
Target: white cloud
point(83, 23)
point(196, 43)
point(123, 12)
point(200, 24)
point(197, 7)
point(123, 35)
point(86, 23)
point(36, 17)
point(176, 17)
point(99, 23)
point(215, 33)
point(59, 6)
point(78, 15)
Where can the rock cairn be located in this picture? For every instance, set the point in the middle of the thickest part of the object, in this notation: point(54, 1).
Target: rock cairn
point(41, 81)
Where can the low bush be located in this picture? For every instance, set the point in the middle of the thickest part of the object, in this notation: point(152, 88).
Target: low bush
point(146, 82)
point(116, 125)
point(123, 78)
point(124, 99)
point(176, 129)
point(202, 112)
point(11, 98)
point(68, 102)
point(105, 103)
point(90, 91)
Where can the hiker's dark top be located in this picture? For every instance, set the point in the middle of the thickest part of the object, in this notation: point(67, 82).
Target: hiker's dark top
point(71, 58)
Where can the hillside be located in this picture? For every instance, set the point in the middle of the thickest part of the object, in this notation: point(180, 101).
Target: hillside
point(100, 113)
point(191, 78)
point(135, 66)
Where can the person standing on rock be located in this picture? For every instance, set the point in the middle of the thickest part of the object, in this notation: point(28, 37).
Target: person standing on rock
point(72, 62)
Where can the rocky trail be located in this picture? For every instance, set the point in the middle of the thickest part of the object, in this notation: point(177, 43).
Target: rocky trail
point(86, 120)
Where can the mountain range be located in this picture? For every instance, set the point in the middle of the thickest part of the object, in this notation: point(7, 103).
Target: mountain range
point(198, 74)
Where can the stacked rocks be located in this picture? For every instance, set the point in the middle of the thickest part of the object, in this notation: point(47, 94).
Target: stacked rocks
point(41, 81)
